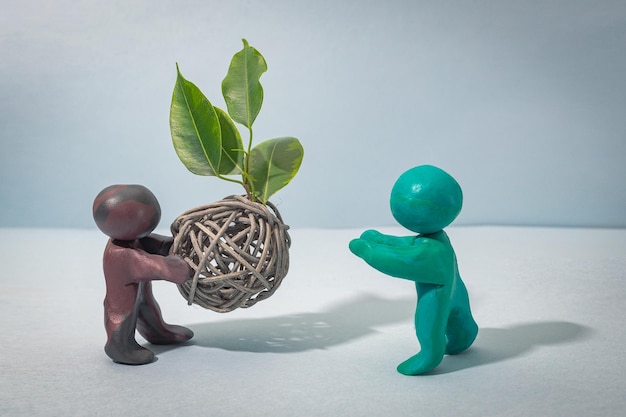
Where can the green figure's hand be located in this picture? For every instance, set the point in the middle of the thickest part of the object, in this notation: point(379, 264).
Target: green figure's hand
point(361, 248)
point(417, 259)
point(375, 236)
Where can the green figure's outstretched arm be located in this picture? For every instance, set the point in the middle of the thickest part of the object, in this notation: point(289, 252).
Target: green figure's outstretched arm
point(426, 261)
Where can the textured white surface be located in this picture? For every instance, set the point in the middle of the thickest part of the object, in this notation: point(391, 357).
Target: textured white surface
point(550, 303)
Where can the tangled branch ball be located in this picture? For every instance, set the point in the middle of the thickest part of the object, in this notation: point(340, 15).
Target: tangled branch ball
point(239, 251)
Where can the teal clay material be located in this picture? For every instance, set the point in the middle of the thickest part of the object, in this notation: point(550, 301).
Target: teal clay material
point(425, 199)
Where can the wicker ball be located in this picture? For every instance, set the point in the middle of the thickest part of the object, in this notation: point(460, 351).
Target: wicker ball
point(239, 251)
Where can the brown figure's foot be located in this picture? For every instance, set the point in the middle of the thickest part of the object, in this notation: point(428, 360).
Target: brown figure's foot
point(128, 352)
point(121, 345)
point(151, 326)
point(161, 333)
point(150, 323)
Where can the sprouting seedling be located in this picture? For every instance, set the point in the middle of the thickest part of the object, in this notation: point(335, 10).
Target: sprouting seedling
point(208, 142)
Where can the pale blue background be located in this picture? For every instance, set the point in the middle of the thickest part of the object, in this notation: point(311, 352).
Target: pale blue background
point(524, 102)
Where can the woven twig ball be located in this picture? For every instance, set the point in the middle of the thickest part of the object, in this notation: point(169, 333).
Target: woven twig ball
point(239, 251)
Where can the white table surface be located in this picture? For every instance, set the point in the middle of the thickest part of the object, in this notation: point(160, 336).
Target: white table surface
point(549, 303)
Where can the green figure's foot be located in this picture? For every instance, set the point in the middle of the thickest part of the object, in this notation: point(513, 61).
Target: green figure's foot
point(419, 364)
point(462, 339)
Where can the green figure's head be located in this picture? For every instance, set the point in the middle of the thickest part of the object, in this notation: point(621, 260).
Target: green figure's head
point(425, 199)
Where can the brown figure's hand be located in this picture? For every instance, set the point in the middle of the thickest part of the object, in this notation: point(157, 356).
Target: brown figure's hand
point(181, 271)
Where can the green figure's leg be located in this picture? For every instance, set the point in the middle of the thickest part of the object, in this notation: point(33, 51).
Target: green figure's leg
point(462, 329)
point(431, 318)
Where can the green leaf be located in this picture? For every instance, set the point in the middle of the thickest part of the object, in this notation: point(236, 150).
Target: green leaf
point(232, 147)
point(195, 128)
point(273, 164)
point(241, 88)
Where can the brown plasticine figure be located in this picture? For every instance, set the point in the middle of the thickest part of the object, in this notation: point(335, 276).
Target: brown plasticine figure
point(133, 257)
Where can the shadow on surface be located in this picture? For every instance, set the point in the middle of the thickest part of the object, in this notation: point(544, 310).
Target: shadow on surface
point(300, 332)
point(357, 318)
point(495, 345)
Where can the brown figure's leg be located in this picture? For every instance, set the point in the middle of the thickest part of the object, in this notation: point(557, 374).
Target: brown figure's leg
point(150, 323)
point(121, 345)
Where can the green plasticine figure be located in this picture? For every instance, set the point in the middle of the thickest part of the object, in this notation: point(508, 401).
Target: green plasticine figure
point(425, 199)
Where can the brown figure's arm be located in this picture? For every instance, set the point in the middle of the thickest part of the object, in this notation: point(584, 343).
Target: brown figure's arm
point(144, 266)
point(157, 244)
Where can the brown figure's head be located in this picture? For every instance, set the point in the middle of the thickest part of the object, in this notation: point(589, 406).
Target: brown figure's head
point(126, 212)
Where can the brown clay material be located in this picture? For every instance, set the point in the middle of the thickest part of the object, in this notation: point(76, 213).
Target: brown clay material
point(133, 257)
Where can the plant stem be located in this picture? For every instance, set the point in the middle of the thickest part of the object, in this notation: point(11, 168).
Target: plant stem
point(246, 172)
point(231, 180)
point(249, 149)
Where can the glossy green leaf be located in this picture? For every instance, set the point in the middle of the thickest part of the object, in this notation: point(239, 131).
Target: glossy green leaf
point(232, 146)
point(241, 88)
point(195, 128)
point(273, 164)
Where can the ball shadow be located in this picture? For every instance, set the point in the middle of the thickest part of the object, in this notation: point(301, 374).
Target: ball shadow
point(345, 322)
